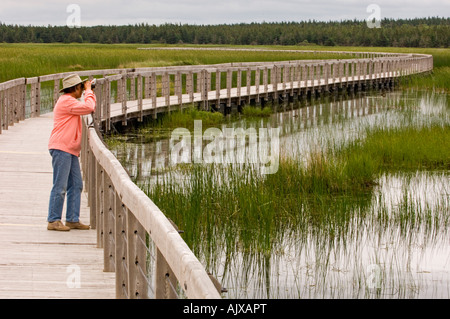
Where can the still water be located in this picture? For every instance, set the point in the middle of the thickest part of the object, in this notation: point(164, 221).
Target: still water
point(393, 242)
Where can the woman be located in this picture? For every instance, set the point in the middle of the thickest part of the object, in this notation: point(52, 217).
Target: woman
point(64, 147)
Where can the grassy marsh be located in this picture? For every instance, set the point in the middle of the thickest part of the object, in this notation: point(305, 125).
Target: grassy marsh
point(28, 60)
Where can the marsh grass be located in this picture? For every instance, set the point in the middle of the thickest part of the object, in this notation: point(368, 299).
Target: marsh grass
point(438, 80)
point(252, 111)
point(185, 118)
point(404, 148)
point(28, 60)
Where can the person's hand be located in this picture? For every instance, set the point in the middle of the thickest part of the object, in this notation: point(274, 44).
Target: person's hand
point(87, 85)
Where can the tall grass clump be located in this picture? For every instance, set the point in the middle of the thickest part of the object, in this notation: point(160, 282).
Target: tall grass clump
point(185, 118)
point(251, 111)
point(437, 80)
point(163, 126)
point(406, 148)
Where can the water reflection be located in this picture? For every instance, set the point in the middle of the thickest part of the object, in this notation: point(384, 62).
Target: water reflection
point(311, 125)
point(395, 247)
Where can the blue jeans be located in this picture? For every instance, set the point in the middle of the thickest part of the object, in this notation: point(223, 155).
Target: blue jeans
point(66, 179)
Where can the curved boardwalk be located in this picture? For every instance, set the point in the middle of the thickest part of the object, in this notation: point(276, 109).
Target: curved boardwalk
point(133, 247)
point(35, 262)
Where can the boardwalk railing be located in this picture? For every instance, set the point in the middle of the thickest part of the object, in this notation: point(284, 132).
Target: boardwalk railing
point(132, 230)
point(140, 244)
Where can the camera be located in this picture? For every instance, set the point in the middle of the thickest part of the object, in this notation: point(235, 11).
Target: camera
point(93, 83)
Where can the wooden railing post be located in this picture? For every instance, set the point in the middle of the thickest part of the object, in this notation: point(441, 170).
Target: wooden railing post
point(166, 90)
point(249, 82)
point(179, 87)
point(132, 77)
point(153, 87)
point(140, 97)
point(121, 260)
point(107, 101)
point(165, 279)
point(99, 188)
point(238, 85)
point(266, 82)
point(190, 86)
point(257, 83)
point(108, 224)
point(207, 88)
point(20, 100)
point(92, 192)
point(311, 76)
point(229, 84)
point(274, 81)
point(122, 83)
point(218, 74)
point(137, 253)
point(34, 96)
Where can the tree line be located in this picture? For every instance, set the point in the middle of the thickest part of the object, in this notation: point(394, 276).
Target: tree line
point(418, 32)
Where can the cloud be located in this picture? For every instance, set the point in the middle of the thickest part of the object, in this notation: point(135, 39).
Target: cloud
point(120, 12)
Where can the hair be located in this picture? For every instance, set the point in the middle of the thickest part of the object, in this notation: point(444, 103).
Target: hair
point(72, 88)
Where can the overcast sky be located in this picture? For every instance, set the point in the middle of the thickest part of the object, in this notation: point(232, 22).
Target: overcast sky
point(123, 12)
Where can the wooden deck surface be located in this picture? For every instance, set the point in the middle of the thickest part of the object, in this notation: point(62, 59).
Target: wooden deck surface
point(35, 262)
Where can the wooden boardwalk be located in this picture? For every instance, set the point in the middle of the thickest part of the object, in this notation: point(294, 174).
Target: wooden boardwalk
point(35, 262)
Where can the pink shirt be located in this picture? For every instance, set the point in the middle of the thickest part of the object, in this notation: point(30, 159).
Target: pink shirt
point(66, 133)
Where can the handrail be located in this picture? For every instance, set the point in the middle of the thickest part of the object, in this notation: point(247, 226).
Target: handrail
point(128, 212)
point(128, 223)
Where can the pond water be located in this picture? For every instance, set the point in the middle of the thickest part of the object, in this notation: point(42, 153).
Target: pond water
point(391, 242)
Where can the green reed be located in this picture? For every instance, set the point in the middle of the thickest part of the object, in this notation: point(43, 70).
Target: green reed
point(404, 148)
point(28, 60)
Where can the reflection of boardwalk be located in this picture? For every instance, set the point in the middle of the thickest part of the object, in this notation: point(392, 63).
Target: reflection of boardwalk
point(35, 262)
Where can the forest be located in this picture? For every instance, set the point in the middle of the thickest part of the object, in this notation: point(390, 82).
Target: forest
point(432, 32)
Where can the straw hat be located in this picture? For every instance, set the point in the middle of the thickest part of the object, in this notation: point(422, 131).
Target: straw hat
point(70, 81)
